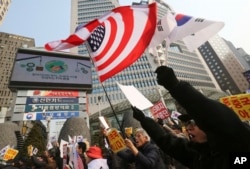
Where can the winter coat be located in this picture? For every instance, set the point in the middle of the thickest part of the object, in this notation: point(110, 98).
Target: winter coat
point(226, 133)
point(148, 157)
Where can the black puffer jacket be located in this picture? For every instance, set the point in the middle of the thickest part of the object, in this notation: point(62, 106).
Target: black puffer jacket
point(225, 131)
point(147, 158)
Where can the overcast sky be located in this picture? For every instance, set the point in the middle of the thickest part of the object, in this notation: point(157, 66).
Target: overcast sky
point(49, 20)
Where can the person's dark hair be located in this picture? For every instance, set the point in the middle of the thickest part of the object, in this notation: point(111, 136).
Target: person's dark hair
point(160, 121)
point(52, 153)
point(82, 146)
point(175, 127)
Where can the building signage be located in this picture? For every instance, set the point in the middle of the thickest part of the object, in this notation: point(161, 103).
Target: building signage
point(51, 100)
point(51, 107)
point(53, 93)
point(29, 116)
point(36, 69)
point(52, 115)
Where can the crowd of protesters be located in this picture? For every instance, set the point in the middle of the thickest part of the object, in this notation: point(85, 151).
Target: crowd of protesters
point(212, 132)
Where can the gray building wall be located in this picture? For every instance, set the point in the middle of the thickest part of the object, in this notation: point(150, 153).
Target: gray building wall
point(9, 43)
point(4, 6)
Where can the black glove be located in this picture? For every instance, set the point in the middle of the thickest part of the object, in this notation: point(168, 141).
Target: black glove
point(166, 77)
point(137, 114)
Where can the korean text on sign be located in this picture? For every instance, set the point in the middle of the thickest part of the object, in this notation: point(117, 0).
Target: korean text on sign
point(10, 154)
point(159, 110)
point(116, 141)
point(240, 104)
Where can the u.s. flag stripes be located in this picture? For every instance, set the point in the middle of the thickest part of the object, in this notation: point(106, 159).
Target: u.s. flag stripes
point(116, 40)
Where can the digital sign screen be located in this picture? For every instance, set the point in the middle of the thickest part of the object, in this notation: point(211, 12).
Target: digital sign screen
point(38, 69)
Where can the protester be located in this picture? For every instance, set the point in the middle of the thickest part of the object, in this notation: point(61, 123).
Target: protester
point(144, 154)
point(24, 163)
point(81, 149)
point(58, 159)
point(47, 162)
point(95, 158)
point(215, 131)
point(174, 129)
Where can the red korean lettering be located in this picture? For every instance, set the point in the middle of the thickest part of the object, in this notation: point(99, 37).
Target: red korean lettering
point(245, 101)
point(237, 103)
point(244, 114)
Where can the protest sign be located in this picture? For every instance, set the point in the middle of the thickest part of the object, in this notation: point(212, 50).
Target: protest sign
point(115, 140)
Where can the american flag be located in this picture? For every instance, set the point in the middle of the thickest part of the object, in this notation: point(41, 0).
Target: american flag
point(116, 39)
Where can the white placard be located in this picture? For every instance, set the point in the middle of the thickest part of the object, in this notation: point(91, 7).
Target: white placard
point(135, 97)
point(104, 123)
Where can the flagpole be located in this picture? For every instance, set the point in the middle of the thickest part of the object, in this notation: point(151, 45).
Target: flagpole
point(113, 110)
point(117, 120)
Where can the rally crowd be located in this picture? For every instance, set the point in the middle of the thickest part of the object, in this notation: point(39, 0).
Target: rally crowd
point(213, 132)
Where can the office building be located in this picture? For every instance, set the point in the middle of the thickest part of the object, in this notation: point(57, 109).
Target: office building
point(240, 54)
point(9, 43)
point(224, 65)
point(4, 5)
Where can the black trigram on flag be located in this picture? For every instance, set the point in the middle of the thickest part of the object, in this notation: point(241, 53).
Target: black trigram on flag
point(159, 26)
point(199, 20)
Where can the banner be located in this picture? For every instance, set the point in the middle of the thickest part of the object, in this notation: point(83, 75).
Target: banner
point(10, 154)
point(239, 103)
point(159, 110)
point(115, 140)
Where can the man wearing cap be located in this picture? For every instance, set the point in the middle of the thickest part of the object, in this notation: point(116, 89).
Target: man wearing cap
point(216, 132)
point(95, 158)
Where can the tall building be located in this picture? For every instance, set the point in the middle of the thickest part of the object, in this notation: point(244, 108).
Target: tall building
point(189, 66)
point(224, 65)
point(244, 58)
point(9, 43)
point(4, 5)
point(240, 54)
